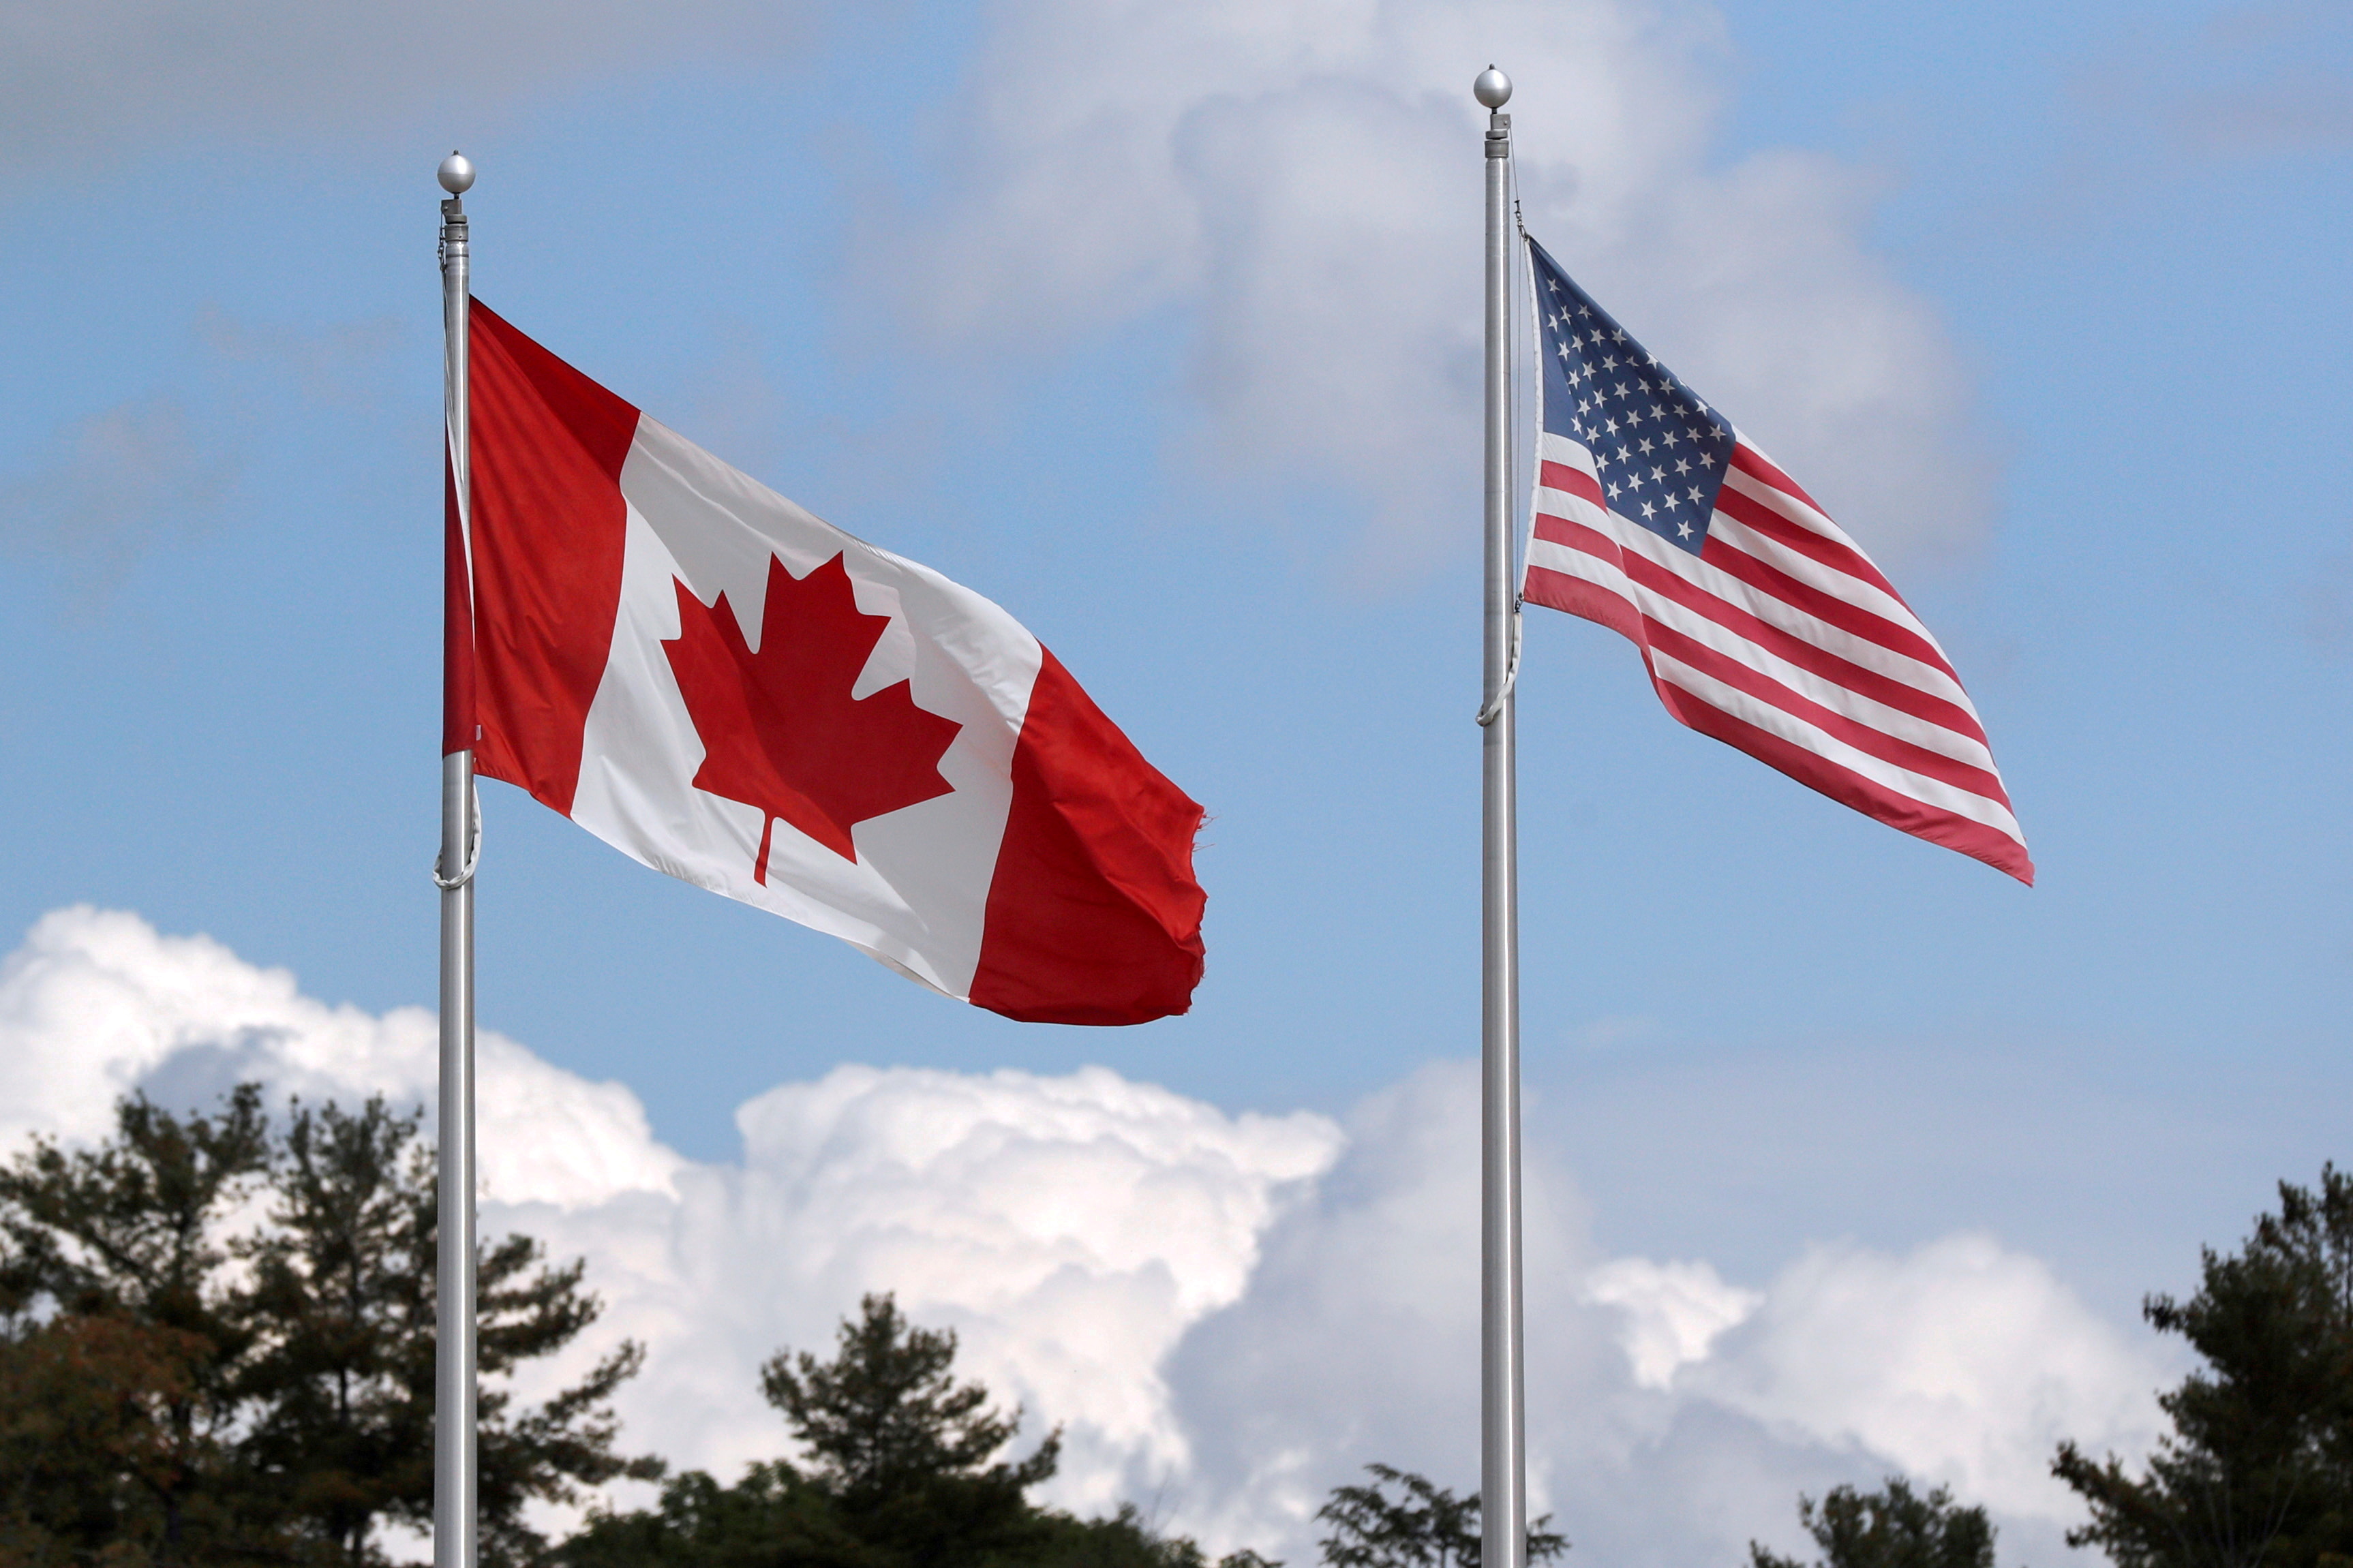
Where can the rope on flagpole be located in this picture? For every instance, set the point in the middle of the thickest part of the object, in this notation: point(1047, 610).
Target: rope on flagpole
point(474, 842)
point(1488, 714)
point(1494, 707)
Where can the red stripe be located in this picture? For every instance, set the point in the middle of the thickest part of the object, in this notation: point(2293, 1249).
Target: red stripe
point(1575, 535)
point(1558, 590)
point(1838, 557)
point(1862, 737)
point(548, 525)
point(1816, 660)
point(1093, 915)
point(1776, 583)
point(1755, 464)
point(1576, 481)
point(1993, 847)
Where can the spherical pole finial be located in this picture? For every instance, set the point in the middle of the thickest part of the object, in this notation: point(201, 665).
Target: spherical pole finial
point(1493, 89)
point(456, 173)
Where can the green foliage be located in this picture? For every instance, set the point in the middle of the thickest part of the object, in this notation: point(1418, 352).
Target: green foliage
point(219, 1346)
point(903, 1471)
point(906, 1453)
point(1426, 1527)
point(2258, 1470)
point(1892, 1528)
point(124, 1342)
point(92, 1464)
point(772, 1517)
point(887, 1414)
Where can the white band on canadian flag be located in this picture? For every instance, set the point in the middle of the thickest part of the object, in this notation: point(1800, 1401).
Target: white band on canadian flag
point(916, 896)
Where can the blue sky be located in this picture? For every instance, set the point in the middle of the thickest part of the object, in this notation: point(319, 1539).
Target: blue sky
point(2092, 256)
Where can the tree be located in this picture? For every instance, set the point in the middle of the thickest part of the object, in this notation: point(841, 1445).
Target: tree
point(111, 1261)
point(341, 1403)
point(906, 1454)
point(886, 1414)
point(1427, 1526)
point(258, 1377)
point(2258, 1470)
point(1892, 1528)
point(87, 1449)
point(902, 1471)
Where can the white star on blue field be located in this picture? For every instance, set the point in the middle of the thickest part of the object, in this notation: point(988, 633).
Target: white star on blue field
point(1660, 451)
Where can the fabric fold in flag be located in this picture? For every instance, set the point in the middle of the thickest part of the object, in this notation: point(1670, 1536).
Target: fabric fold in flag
point(739, 694)
point(1761, 623)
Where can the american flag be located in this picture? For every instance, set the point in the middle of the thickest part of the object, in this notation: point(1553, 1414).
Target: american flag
point(1761, 622)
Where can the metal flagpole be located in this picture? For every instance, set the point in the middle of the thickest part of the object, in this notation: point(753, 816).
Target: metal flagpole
point(1502, 1460)
point(454, 1489)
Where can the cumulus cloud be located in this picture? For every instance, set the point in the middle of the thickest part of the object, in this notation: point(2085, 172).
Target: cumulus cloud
point(1672, 1415)
point(1675, 1312)
point(97, 1003)
point(1303, 178)
point(1961, 1362)
point(1227, 1314)
point(88, 79)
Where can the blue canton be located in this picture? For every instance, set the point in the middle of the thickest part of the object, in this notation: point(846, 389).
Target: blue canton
point(1660, 451)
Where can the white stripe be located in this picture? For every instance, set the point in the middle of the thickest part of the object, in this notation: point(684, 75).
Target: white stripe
point(1777, 721)
point(1847, 703)
point(1842, 699)
point(1802, 512)
point(1554, 448)
point(1780, 613)
point(1862, 593)
point(1859, 591)
point(1570, 507)
point(1792, 507)
point(1593, 569)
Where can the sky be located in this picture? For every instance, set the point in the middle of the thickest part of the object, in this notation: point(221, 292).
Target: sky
point(1158, 325)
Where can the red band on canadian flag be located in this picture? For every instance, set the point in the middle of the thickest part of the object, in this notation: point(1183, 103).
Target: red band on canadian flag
point(741, 695)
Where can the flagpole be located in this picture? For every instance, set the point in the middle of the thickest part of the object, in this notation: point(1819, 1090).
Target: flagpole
point(1502, 1459)
point(456, 1490)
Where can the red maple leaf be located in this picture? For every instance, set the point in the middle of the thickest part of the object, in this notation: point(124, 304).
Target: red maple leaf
point(780, 729)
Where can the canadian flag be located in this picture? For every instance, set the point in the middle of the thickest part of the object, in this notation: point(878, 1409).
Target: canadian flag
point(735, 692)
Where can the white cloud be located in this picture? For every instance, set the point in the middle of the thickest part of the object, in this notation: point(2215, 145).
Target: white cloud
point(1675, 1312)
point(1962, 1362)
point(97, 1003)
point(1228, 1314)
point(1305, 177)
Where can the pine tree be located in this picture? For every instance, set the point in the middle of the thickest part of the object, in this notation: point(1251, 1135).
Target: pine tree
point(907, 1454)
point(219, 1345)
point(340, 1400)
point(1895, 1527)
point(112, 1259)
point(2258, 1470)
point(902, 1471)
point(1426, 1526)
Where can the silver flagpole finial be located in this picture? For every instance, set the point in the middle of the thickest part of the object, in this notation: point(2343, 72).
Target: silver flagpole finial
point(1493, 89)
point(457, 172)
